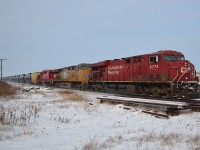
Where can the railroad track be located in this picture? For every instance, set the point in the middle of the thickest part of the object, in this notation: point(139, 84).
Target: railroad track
point(171, 108)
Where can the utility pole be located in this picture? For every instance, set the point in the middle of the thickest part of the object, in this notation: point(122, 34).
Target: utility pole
point(2, 67)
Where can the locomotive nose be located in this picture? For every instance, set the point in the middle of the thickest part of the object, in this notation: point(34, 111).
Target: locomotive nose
point(187, 70)
point(185, 66)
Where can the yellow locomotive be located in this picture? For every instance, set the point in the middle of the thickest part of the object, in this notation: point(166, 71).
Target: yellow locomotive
point(75, 76)
point(35, 77)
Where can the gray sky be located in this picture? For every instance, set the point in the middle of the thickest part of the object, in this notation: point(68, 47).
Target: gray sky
point(44, 34)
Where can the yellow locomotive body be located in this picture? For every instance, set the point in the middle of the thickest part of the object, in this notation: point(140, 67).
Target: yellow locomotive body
point(76, 76)
point(35, 77)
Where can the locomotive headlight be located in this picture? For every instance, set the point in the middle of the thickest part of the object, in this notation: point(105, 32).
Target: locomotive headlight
point(185, 64)
point(186, 78)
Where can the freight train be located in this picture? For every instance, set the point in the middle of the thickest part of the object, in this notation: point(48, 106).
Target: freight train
point(165, 73)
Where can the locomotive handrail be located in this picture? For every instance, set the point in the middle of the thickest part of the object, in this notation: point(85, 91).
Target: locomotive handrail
point(175, 76)
point(173, 81)
point(180, 78)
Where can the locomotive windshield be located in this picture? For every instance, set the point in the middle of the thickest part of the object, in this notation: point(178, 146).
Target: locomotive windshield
point(173, 57)
point(180, 58)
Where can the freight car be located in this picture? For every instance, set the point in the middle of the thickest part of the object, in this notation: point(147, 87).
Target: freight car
point(27, 78)
point(163, 73)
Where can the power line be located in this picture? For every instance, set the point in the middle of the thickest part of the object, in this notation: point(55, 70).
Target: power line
point(2, 67)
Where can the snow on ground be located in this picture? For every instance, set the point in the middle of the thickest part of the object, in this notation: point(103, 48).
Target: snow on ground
point(48, 118)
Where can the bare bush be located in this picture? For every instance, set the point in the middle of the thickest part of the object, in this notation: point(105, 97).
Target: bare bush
point(195, 140)
point(95, 144)
point(10, 116)
point(63, 106)
point(4, 134)
point(150, 137)
point(114, 140)
point(170, 138)
point(165, 139)
point(141, 130)
point(89, 108)
point(15, 117)
point(117, 124)
point(64, 120)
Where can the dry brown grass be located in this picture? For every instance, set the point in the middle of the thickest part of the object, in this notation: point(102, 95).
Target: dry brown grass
point(170, 139)
point(7, 90)
point(76, 97)
point(109, 143)
point(44, 94)
point(93, 144)
point(195, 140)
point(66, 92)
point(68, 95)
point(26, 115)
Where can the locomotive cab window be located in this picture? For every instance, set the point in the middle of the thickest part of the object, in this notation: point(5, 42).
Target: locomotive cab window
point(180, 57)
point(153, 59)
point(173, 57)
point(128, 61)
point(137, 59)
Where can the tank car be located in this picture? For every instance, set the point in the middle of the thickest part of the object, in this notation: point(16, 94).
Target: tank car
point(14, 79)
point(164, 73)
point(20, 78)
point(27, 78)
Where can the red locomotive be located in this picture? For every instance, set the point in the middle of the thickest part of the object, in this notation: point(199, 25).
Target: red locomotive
point(48, 76)
point(164, 73)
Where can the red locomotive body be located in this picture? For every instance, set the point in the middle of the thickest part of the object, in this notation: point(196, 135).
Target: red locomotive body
point(47, 76)
point(158, 74)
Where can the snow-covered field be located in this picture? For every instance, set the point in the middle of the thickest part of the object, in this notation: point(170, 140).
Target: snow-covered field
point(50, 119)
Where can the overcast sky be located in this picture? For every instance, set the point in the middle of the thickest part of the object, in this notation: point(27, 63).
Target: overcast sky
point(44, 34)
